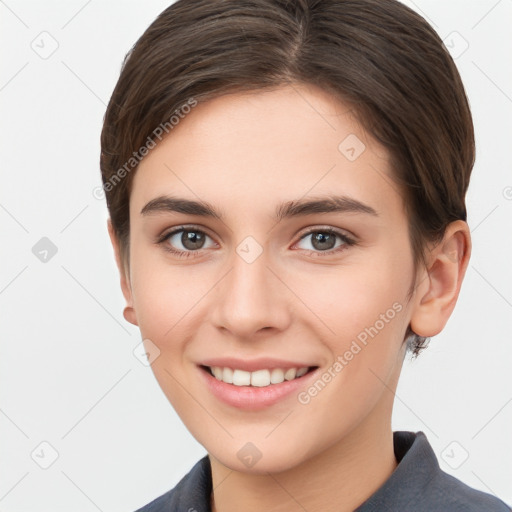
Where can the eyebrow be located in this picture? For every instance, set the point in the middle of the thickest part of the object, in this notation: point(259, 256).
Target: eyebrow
point(289, 209)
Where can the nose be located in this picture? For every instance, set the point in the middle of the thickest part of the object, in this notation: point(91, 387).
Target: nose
point(251, 298)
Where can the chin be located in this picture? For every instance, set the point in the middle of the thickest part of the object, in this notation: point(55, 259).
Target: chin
point(264, 461)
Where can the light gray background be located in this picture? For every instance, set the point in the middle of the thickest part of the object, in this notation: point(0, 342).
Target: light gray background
point(68, 373)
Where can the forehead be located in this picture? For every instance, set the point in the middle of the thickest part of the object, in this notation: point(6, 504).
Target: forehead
point(255, 148)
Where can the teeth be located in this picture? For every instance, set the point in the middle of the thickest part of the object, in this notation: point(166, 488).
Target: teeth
point(290, 373)
point(241, 378)
point(277, 376)
point(302, 371)
point(217, 372)
point(259, 378)
point(227, 375)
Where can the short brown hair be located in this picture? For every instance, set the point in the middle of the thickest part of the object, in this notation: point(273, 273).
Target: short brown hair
point(378, 56)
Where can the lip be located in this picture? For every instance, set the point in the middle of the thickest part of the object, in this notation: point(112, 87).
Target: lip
point(264, 363)
point(254, 398)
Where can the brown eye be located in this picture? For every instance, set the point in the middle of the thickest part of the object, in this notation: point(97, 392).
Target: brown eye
point(185, 241)
point(325, 240)
point(192, 240)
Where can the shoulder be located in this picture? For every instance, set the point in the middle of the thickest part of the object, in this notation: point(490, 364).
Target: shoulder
point(192, 493)
point(418, 483)
point(160, 504)
point(448, 493)
point(436, 489)
point(444, 492)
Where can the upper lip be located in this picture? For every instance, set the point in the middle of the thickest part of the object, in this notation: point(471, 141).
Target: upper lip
point(264, 363)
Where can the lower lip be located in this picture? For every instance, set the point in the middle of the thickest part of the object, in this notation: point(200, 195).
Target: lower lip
point(253, 397)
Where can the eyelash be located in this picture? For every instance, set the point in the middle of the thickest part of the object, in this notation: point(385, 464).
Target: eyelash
point(347, 241)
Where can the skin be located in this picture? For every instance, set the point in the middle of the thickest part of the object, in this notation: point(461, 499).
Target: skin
point(245, 154)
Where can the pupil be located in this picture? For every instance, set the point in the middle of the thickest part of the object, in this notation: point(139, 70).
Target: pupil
point(192, 240)
point(322, 238)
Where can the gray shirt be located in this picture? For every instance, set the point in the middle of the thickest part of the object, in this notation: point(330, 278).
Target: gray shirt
point(418, 484)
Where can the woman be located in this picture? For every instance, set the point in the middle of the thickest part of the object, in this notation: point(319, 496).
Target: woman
point(286, 186)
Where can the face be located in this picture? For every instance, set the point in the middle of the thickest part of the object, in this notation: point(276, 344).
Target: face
point(301, 259)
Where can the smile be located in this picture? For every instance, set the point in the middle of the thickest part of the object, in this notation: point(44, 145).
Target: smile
point(258, 378)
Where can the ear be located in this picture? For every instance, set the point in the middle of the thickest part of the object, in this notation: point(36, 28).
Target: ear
point(129, 312)
point(439, 285)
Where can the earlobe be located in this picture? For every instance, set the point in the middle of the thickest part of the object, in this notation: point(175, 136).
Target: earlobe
point(129, 315)
point(440, 285)
point(129, 311)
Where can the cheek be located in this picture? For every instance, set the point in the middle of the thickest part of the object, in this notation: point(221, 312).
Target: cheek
point(347, 299)
point(362, 315)
point(164, 296)
point(365, 315)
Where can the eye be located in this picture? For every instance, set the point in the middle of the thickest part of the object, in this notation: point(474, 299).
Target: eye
point(324, 240)
point(185, 241)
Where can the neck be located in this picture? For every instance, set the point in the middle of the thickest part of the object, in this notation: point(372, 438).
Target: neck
point(338, 479)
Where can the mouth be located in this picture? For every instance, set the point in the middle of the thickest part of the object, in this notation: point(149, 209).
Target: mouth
point(260, 378)
point(253, 384)
point(259, 389)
